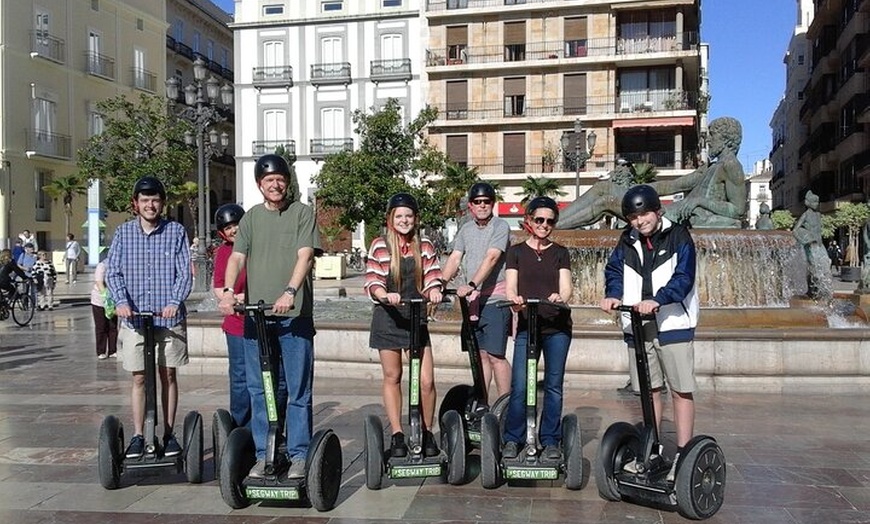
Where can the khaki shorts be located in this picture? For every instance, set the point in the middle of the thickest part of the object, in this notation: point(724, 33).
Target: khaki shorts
point(170, 347)
point(677, 360)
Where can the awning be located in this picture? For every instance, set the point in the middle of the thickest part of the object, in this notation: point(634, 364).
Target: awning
point(674, 121)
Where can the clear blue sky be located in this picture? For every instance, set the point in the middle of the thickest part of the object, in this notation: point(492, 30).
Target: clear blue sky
point(748, 39)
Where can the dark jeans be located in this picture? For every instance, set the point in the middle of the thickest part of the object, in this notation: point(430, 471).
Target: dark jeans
point(240, 400)
point(106, 331)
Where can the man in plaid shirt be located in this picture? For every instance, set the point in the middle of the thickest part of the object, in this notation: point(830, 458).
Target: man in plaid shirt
point(148, 269)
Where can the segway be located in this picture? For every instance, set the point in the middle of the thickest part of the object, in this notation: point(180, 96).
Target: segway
point(110, 451)
point(529, 464)
point(323, 464)
point(379, 462)
point(699, 486)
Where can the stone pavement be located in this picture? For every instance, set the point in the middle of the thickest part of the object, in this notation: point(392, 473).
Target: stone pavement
point(791, 458)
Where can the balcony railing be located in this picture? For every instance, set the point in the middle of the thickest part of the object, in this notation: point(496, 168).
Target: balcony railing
point(48, 46)
point(265, 147)
point(322, 147)
point(330, 73)
point(49, 144)
point(274, 75)
point(598, 163)
point(442, 5)
point(144, 80)
point(656, 44)
point(184, 50)
point(100, 65)
point(391, 70)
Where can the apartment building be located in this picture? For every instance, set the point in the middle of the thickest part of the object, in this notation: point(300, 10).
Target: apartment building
point(789, 181)
point(199, 31)
point(521, 86)
point(302, 68)
point(835, 156)
point(59, 57)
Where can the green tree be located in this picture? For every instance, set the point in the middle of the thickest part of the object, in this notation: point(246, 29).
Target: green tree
point(852, 217)
point(390, 158)
point(539, 186)
point(293, 191)
point(139, 138)
point(452, 187)
point(829, 228)
point(782, 219)
point(643, 173)
point(66, 188)
point(187, 193)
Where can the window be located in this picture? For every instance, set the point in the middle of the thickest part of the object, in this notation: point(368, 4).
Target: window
point(333, 5)
point(273, 53)
point(196, 39)
point(140, 79)
point(273, 9)
point(514, 96)
point(332, 122)
point(41, 179)
point(95, 5)
point(178, 30)
point(391, 47)
point(96, 124)
point(330, 50)
point(140, 24)
point(392, 3)
point(274, 124)
point(800, 59)
point(209, 49)
point(225, 57)
point(42, 27)
point(44, 118)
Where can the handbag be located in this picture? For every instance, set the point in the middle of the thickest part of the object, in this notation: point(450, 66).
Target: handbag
point(108, 303)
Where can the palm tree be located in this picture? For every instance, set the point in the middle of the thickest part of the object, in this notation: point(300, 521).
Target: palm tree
point(541, 186)
point(643, 173)
point(66, 188)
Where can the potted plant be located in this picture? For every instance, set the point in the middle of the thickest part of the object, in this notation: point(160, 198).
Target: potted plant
point(852, 217)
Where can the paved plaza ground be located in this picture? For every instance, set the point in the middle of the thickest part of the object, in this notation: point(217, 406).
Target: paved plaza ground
point(791, 458)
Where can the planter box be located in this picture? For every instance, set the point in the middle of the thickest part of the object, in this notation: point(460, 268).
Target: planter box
point(850, 274)
point(330, 266)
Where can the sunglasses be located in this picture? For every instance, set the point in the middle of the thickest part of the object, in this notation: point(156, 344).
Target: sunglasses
point(541, 220)
point(481, 202)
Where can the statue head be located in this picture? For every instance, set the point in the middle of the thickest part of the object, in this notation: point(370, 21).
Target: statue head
point(811, 200)
point(764, 209)
point(728, 131)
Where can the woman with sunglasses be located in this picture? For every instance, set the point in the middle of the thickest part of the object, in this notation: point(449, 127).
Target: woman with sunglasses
point(402, 265)
point(539, 268)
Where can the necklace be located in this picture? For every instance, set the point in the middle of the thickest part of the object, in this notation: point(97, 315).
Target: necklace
point(538, 251)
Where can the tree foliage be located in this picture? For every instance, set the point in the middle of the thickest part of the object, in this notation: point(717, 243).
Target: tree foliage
point(539, 186)
point(782, 219)
point(66, 188)
point(852, 217)
point(829, 228)
point(643, 173)
point(139, 138)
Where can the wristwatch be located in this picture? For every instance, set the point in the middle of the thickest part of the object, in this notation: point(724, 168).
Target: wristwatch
point(472, 285)
point(290, 290)
point(227, 289)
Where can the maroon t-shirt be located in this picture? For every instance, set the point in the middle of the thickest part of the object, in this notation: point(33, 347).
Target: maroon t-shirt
point(539, 278)
point(233, 324)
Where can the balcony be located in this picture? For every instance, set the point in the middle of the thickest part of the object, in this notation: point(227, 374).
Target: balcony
point(661, 159)
point(100, 65)
point(144, 80)
point(50, 145)
point(657, 44)
point(273, 76)
point(323, 147)
point(449, 5)
point(265, 147)
point(522, 167)
point(330, 74)
point(46, 46)
point(391, 70)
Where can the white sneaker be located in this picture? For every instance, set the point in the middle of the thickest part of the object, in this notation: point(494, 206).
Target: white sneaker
point(297, 469)
point(259, 470)
point(672, 474)
point(102, 356)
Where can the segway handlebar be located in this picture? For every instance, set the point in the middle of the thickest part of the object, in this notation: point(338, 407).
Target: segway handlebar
point(541, 301)
point(630, 309)
point(259, 306)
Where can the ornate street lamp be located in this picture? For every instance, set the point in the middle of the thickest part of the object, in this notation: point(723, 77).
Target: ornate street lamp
point(582, 151)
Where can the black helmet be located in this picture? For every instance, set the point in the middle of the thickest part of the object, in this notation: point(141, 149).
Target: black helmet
point(150, 186)
point(542, 201)
point(403, 200)
point(481, 189)
point(640, 199)
point(270, 164)
point(228, 214)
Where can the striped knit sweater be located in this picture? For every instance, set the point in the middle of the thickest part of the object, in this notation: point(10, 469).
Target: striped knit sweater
point(378, 266)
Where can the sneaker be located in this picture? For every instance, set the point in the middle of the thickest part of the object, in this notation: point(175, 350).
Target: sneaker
point(511, 450)
point(102, 356)
point(297, 469)
point(672, 474)
point(552, 452)
point(259, 470)
point(170, 446)
point(627, 390)
point(430, 447)
point(136, 448)
point(113, 355)
point(398, 448)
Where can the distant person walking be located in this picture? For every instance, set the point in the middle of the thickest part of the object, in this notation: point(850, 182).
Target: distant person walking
point(105, 319)
point(73, 252)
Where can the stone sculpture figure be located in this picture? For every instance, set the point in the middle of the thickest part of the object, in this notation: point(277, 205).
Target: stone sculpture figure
point(764, 223)
point(808, 232)
point(715, 193)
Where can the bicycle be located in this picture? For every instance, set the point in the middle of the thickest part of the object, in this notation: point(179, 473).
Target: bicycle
point(357, 260)
point(21, 304)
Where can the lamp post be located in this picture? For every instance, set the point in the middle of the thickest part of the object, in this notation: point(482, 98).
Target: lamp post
point(582, 151)
point(202, 110)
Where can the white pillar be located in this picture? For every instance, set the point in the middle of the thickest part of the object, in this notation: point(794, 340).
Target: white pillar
point(94, 222)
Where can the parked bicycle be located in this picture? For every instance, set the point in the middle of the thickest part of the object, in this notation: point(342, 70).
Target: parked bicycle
point(21, 304)
point(356, 260)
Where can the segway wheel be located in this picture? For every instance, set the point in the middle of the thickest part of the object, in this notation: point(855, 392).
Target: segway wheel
point(221, 425)
point(110, 451)
point(193, 447)
point(572, 451)
point(323, 470)
point(454, 437)
point(490, 452)
point(456, 399)
point(374, 435)
point(700, 480)
point(240, 455)
point(619, 446)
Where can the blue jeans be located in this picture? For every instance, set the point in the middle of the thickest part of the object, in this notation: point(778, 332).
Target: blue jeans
point(555, 350)
point(295, 337)
point(240, 400)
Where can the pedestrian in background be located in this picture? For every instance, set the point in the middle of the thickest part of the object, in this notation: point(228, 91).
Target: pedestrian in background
point(73, 252)
point(105, 319)
point(46, 278)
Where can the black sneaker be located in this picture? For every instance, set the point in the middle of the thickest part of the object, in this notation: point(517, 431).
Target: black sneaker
point(511, 450)
point(171, 448)
point(136, 448)
point(552, 453)
point(398, 448)
point(430, 447)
